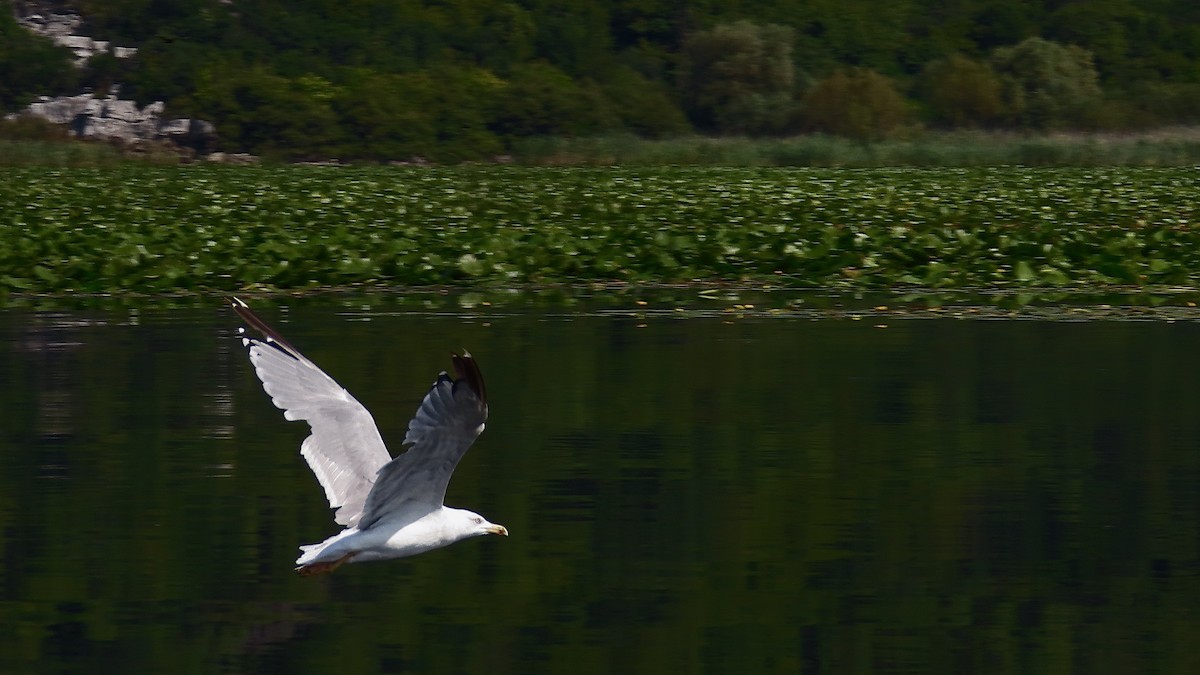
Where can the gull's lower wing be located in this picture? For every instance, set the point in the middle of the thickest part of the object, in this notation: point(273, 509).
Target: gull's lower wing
point(450, 418)
point(345, 450)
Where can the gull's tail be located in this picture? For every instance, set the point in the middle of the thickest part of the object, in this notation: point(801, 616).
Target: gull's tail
point(325, 556)
point(309, 552)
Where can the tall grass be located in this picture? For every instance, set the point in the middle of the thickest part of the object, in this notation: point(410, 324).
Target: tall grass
point(27, 141)
point(31, 141)
point(1166, 147)
point(57, 154)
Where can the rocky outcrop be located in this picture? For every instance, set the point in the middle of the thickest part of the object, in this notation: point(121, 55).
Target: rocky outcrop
point(238, 158)
point(114, 119)
point(108, 118)
point(61, 29)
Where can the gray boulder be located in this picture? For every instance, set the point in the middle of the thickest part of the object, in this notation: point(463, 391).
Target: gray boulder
point(120, 120)
point(60, 110)
point(61, 27)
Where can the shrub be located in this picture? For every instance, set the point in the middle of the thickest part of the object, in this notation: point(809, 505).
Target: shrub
point(539, 100)
point(856, 103)
point(462, 105)
point(643, 105)
point(960, 92)
point(439, 114)
point(1163, 103)
point(29, 128)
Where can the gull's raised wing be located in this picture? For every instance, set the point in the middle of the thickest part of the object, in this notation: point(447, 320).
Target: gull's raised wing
point(450, 418)
point(345, 450)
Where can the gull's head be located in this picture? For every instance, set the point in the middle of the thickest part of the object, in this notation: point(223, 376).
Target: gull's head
point(479, 526)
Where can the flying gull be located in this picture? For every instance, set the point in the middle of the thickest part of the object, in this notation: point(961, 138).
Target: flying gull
point(391, 507)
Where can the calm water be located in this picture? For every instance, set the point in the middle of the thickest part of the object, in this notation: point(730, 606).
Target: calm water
point(705, 494)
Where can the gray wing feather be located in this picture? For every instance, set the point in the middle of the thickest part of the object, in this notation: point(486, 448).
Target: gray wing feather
point(450, 418)
point(345, 450)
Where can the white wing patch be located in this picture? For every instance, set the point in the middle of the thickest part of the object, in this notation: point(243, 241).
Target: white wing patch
point(345, 450)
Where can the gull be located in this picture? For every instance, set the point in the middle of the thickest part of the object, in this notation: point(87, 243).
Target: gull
point(390, 507)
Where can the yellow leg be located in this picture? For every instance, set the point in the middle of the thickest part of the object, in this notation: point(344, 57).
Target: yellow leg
point(323, 567)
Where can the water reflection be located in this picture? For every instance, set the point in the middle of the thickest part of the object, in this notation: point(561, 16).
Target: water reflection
point(708, 494)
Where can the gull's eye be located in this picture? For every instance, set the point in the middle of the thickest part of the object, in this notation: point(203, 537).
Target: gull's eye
point(478, 520)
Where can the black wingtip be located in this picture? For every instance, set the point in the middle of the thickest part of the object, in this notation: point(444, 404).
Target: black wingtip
point(251, 319)
point(468, 371)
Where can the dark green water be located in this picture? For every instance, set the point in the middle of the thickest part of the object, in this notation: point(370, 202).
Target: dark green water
point(766, 494)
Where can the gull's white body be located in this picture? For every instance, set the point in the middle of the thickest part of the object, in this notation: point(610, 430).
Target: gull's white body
point(395, 539)
point(391, 507)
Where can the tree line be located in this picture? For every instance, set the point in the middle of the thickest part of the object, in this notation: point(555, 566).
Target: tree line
point(464, 79)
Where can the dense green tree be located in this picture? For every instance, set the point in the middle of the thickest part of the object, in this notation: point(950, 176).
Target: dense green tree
point(495, 35)
point(573, 35)
point(169, 70)
point(383, 79)
point(269, 114)
point(463, 100)
point(382, 117)
point(1046, 84)
point(867, 33)
point(136, 21)
point(1132, 41)
point(639, 22)
point(1106, 27)
point(739, 78)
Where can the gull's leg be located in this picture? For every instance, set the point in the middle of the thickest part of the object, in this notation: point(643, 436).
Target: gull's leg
point(324, 567)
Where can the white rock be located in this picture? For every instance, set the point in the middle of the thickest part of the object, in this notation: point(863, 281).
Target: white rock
point(106, 117)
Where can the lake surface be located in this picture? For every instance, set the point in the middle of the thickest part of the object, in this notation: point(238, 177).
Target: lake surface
point(723, 491)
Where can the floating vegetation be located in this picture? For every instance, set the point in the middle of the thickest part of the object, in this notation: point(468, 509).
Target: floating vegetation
point(193, 229)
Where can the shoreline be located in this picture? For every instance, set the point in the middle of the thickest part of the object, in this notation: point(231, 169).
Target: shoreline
point(1166, 147)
